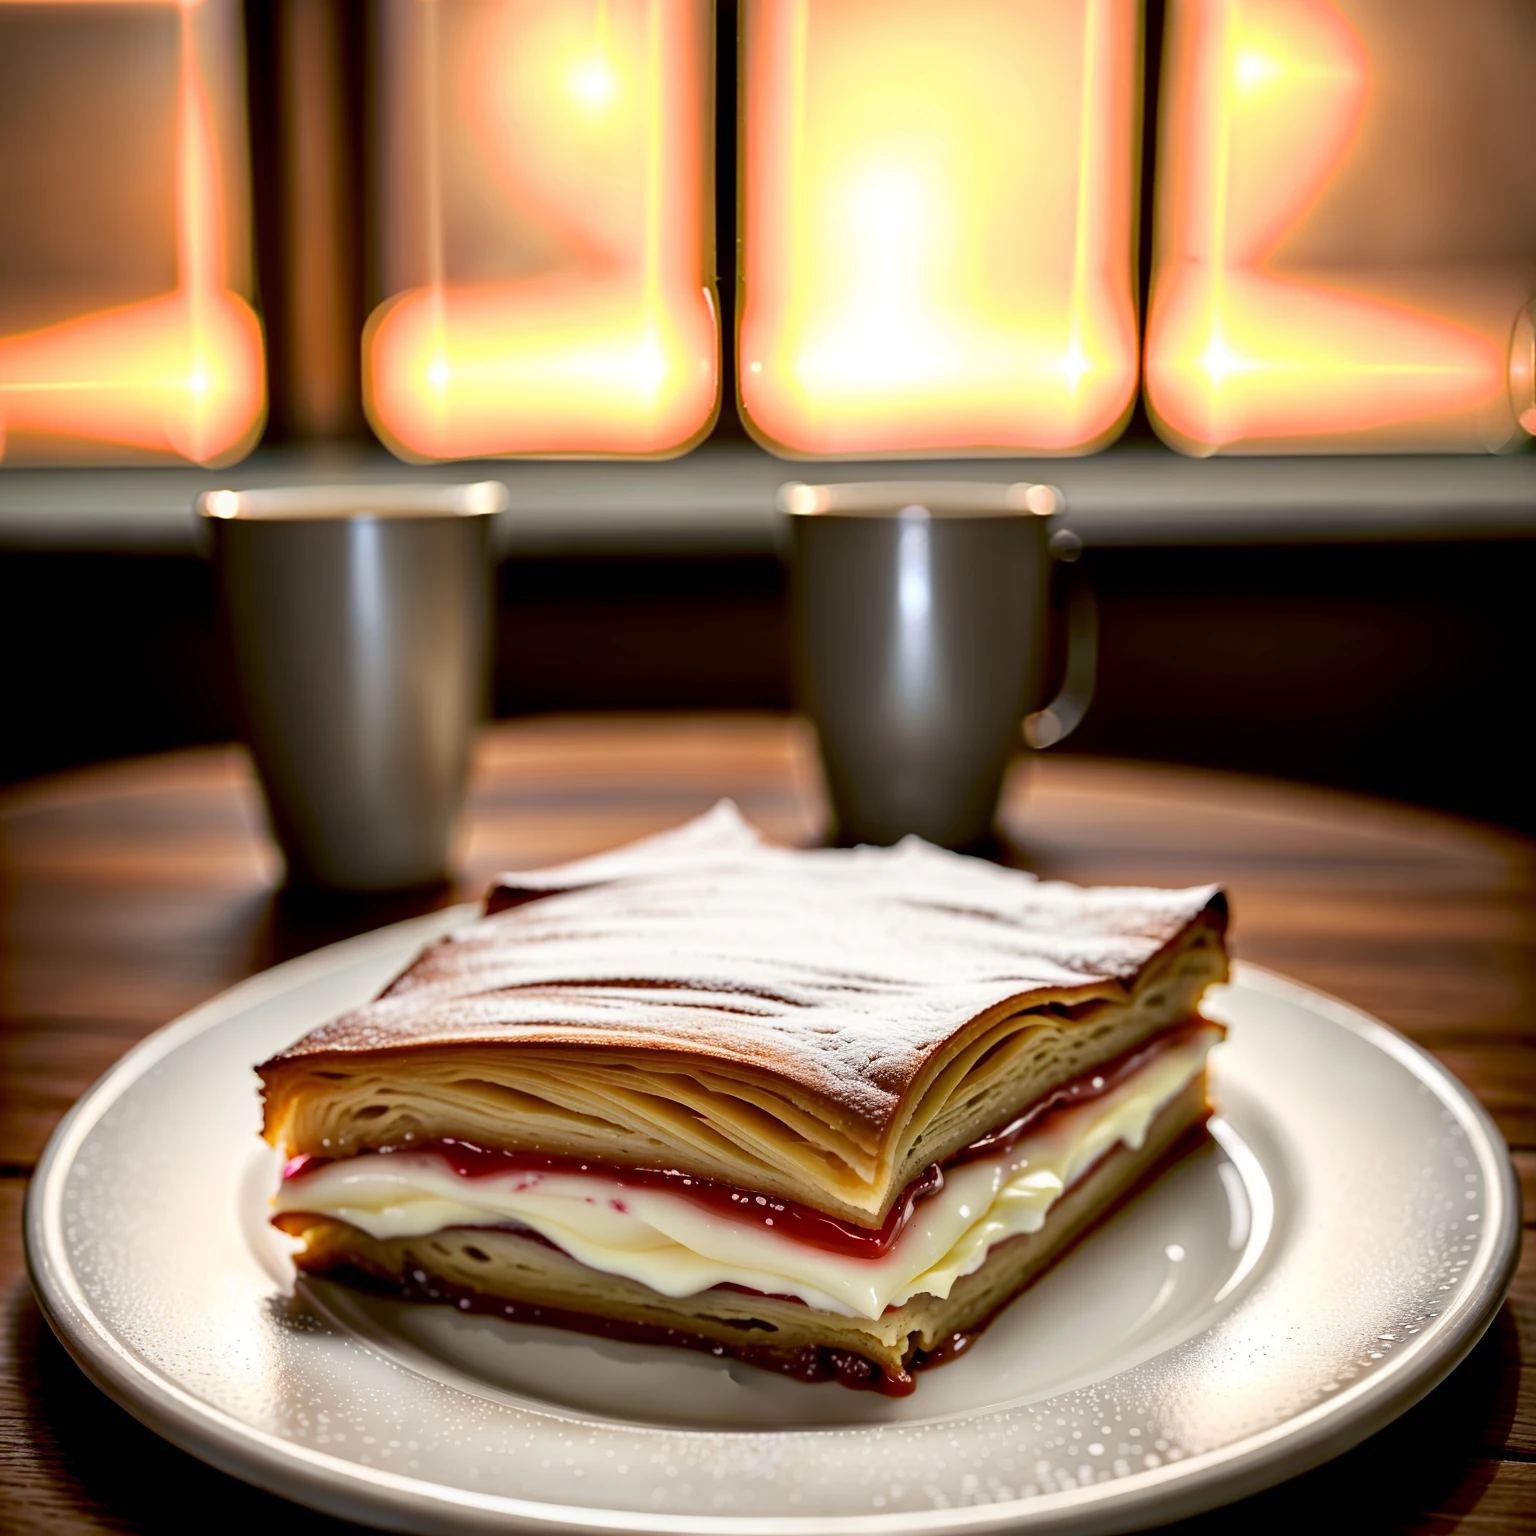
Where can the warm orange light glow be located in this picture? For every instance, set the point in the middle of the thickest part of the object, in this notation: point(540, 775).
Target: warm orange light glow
point(1252, 341)
point(1522, 369)
point(936, 225)
point(554, 249)
point(178, 374)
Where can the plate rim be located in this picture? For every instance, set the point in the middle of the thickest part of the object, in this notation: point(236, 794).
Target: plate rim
point(395, 1501)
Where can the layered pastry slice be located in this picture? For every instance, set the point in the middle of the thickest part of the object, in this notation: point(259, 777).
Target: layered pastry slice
point(825, 1111)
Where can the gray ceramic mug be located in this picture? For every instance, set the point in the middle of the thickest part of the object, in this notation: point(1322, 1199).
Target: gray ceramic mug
point(360, 621)
point(922, 615)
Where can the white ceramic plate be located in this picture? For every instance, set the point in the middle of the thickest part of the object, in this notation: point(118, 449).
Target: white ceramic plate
point(1272, 1300)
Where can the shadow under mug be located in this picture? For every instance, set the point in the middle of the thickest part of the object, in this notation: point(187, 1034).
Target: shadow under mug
point(359, 618)
point(922, 618)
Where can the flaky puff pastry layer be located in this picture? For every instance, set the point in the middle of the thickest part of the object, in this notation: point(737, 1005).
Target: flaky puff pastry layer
point(815, 1025)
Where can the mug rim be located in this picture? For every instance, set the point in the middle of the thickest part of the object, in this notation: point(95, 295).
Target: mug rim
point(342, 503)
point(932, 498)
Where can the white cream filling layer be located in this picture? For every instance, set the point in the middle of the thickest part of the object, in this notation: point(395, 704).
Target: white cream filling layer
point(680, 1247)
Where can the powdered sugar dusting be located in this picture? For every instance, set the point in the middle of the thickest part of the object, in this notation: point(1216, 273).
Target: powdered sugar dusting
point(839, 971)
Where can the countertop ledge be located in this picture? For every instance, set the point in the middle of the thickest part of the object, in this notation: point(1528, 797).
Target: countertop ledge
point(718, 500)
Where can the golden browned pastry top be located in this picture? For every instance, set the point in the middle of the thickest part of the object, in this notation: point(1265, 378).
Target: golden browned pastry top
point(830, 976)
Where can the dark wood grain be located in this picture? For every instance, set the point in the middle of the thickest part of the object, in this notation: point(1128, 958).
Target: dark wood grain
point(132, 892)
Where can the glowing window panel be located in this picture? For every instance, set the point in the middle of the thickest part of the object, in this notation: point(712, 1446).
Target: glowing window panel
point(937, 225)
point(1346, 225)
point(126, 329)
point(548, 233)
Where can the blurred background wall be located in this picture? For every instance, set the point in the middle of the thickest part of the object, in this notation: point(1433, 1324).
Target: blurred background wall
point(1399, 668)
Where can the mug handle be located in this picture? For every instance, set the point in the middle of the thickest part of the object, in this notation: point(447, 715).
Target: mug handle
point(1045, 727)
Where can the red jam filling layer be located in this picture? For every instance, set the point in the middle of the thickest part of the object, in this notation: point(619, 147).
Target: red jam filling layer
point(800, 1222)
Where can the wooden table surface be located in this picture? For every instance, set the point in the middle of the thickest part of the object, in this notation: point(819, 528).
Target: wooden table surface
point(129, 893)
